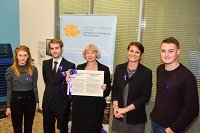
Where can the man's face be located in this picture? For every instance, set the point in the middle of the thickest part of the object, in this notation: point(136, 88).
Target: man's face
point(56, 50)
point(169, 53)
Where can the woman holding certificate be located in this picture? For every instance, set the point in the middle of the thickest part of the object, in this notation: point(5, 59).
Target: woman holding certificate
point(88, 111)
point(131, 90)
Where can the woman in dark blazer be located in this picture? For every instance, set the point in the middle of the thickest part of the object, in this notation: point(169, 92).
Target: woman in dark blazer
point(88, 111)
point(131, 89)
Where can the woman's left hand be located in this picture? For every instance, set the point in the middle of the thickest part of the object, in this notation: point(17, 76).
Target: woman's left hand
point(103, 87)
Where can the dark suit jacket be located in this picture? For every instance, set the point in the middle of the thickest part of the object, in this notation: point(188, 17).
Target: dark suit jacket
point(54, 91)
point(140, 86)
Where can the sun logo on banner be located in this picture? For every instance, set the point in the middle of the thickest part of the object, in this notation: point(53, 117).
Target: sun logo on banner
point(71, 30)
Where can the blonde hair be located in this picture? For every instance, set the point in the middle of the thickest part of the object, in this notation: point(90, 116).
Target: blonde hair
point(91, 47)
point(15, 65)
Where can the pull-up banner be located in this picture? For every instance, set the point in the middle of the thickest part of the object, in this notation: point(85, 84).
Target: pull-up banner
point(77, 31)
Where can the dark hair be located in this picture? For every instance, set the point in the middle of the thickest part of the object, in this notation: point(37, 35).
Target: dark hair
point(56, 41)
point(171, 40)
point(137, 44)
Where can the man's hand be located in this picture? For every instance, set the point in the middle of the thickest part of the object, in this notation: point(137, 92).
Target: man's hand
point(168, 130)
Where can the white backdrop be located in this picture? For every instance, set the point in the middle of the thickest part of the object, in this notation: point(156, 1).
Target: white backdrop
point(77, 31)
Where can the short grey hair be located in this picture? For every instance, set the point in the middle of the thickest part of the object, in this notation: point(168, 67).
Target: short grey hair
point(91, 47)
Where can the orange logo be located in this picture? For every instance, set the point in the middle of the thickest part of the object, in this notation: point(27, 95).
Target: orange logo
point(71, 30)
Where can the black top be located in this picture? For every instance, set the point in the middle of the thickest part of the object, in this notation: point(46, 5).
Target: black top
point(87, 111)
point(176, 103)
point(140, 86)
point(84, 99)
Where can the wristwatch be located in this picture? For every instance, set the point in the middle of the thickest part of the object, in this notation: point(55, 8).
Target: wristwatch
point(114, 106)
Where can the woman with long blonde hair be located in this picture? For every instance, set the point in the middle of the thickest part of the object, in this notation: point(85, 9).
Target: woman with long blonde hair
point(22, 91)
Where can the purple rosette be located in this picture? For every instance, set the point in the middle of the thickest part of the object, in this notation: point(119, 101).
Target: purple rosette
point(125, 77)
point(69, 72)
point(63, 74)
point(73, 71)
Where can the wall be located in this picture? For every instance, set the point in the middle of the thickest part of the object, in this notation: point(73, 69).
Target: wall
point(37, 20)
point(9, 23)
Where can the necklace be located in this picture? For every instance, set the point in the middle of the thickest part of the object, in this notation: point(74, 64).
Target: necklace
point(130, 70)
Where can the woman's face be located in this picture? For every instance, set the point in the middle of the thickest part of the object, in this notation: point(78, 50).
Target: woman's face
point(90, 55)
point(22, 57)
point(134, 54)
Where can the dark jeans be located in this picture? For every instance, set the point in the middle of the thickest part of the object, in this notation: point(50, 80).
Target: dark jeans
point(23, 105)
point(156, 128)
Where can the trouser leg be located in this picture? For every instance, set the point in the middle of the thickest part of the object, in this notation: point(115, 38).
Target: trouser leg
point(156, 128)
point(48, 122)
point(29, 113)
point(62, 120)
point(17, 117)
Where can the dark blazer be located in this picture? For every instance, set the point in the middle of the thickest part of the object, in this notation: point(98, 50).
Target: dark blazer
point(100, 100)
point(140, 86)
point(54, 91)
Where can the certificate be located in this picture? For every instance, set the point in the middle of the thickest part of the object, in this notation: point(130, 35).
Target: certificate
point(87, 83)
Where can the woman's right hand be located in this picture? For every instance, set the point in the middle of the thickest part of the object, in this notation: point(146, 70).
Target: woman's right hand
point(8, 112)
point(117, 112)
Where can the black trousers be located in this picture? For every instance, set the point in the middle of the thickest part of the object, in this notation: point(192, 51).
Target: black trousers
point(50, 116)
point(23, 105)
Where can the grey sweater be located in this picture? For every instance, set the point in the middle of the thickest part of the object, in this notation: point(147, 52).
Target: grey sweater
point(24, 82)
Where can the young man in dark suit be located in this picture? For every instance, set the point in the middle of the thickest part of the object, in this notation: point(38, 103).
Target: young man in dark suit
point(56, 105)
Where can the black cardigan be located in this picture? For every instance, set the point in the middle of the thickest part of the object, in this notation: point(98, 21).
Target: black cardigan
point(100, 100)
point(140, 86)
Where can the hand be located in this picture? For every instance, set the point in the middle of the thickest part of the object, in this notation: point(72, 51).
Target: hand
point(8, 112)
point(119, 116)
point(103, 87)
point(118, 112)
point(37, 106)
point(67, 79)
point(115, 110)
point(168, 130)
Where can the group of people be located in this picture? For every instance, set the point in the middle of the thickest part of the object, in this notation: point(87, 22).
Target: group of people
point(176, 103)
